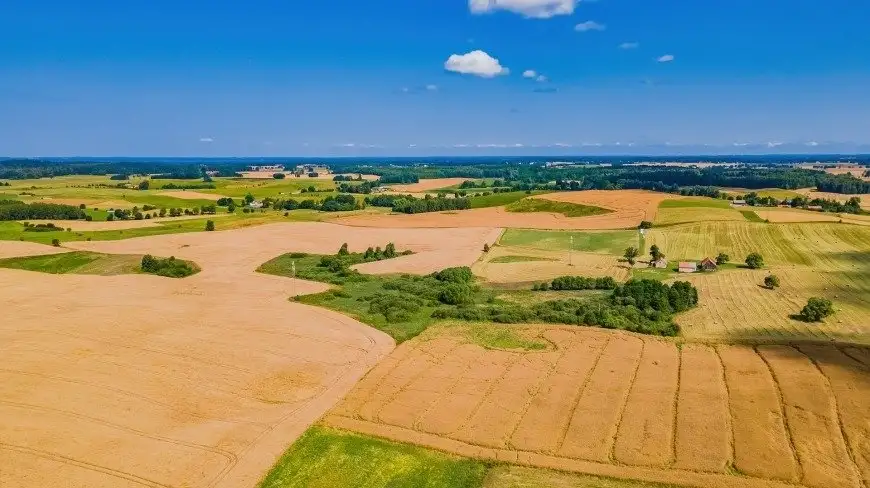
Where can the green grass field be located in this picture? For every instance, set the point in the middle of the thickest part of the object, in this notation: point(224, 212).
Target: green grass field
point(330, 458)
point(501, 199)
point(751, 216)
point(695, 202)
point(564, 208)
point(77, 262)
point(608, 242)
point(519, 259)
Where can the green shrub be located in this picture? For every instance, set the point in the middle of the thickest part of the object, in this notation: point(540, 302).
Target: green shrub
point(169, 267)
point(755, 261)
point(456, 294)
point(460, 274)
point(394, 307)
point(817, 309)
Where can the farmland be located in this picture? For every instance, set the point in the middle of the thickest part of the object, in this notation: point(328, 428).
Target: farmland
point(206, 380)
point(618, 405)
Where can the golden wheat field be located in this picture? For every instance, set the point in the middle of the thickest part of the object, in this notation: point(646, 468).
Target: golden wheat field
point(621, 405)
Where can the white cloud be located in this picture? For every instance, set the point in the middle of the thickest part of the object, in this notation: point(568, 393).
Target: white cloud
point(536, 9)
point(589, 25)
point(774, 144)
point(812, 143)
point(740, 144)
point(477, 63)
point(432, 87)
point(667, 58)
point(405, 89)
point(530, 73)
point(629, 45)
point(541, 79)
point(206, 139)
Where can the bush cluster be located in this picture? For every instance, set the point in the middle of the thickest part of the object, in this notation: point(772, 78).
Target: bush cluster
point(583, 283)
point(170, 267)
point(49, 227)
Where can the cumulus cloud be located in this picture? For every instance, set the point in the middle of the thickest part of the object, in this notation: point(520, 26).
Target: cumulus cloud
point(206, 139)
point(667, 58)
point(477, 63)
point(530, 73)
point(629, 45)
point(589, 25)
point(535, 9)
point(812, 143)
point(432, 87)
point(774, 144)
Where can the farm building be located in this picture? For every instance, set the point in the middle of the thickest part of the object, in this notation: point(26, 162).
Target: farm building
point(661, 263)
point(269, 167)
point(708, 264)
point(739, 203)
point(688, 267)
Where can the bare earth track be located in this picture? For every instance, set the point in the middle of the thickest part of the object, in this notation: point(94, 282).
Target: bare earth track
point(138, 380)
point(629, 406)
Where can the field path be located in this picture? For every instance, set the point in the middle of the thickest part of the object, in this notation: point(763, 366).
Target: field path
point(139, 380)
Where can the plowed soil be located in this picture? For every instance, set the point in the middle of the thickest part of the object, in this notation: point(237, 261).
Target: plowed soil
point(622, 405)
point(139, 380)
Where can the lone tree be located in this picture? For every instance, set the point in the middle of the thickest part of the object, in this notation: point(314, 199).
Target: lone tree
point(754, 261)
point(209, 225)
point(144, 185)
point(279, 176)
point(771, 281)
point(631, 254)
point(390, 251)
point(645, 224)
point(817, 309)
point(655, 253)
point(55, 242)
point(722, 258)
point(249, 199)
point(485, 247)
point(343, 251)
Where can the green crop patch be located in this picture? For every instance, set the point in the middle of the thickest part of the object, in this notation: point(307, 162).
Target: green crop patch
point(327, 458)
point(567, 209)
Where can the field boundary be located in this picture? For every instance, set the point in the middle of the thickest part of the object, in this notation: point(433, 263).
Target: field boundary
point(533, 459)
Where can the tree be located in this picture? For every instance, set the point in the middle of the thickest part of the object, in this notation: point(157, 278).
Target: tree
point(343, 250)
point(390, 251)
point(279, 176)
point(369, 254)
point(486, 247)
point(655, 253)
point(55, 242)
point(209, 225)
point(771, 282)
point(722, 258)
point(631, 254)
point(249, 199)
point(817, 309)
point(645, 224)
point(144, 185)
point(754, 261)
point(231, 208)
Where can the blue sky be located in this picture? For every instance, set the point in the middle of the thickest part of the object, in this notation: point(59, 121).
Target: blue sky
point(393, 77)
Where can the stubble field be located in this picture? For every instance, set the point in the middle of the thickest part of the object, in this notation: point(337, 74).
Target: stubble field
point(139, 380)
point(628, 406)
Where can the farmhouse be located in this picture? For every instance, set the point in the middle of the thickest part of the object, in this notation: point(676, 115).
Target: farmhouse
point(739, 203)
point(269, 167)
point(708, 264)
point(660, 263)
point(688, 267)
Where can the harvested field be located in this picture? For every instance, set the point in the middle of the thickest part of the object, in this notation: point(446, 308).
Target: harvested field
point(629, 208)
point(11, 249)
point(427, 185)
point(670, 216)
point(205, 380)
point(626, 406)
point(781, 215)
point(840, 197)
point(190, 195)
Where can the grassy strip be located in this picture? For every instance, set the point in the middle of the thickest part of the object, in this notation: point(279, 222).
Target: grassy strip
point(609, 242)
point(695, 203)
point(518, 259)
point(85, 262)
point(523, 477)
point(751, 216)
point(567, 209)
point(325, 457)
point(500, 199)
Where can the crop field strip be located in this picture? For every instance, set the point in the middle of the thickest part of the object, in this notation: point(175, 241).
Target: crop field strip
point(624, 405)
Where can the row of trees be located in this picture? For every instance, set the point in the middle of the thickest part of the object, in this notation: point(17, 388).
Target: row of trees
point(40, 211)
point(411, 205)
